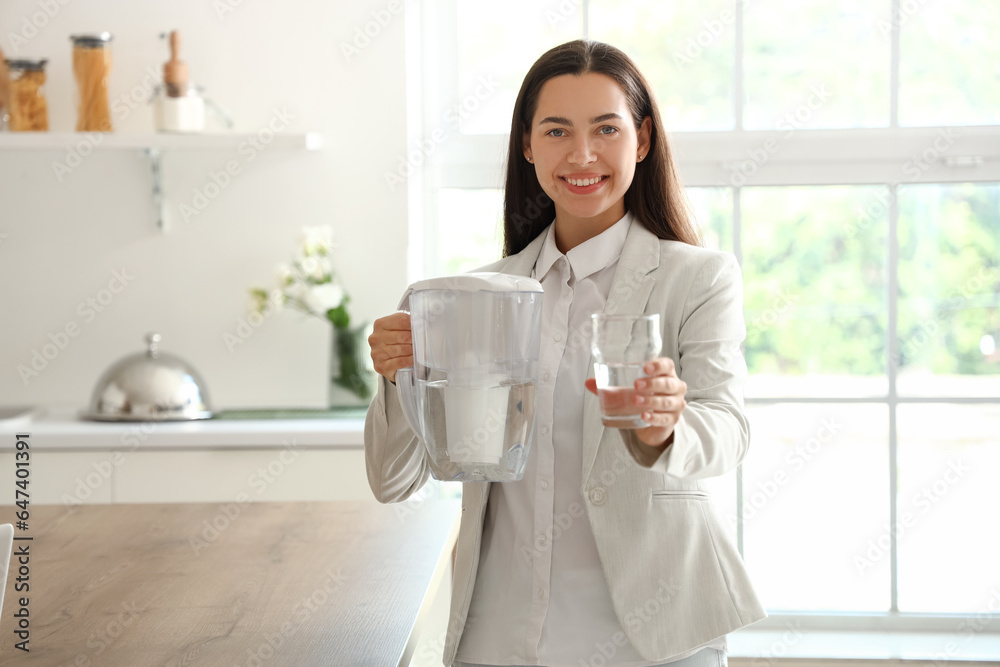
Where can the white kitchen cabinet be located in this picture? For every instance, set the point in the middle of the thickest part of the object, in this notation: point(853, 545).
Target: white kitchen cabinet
point(190, 476)
point(213, 460)
point(228, 475)
point(59, 478)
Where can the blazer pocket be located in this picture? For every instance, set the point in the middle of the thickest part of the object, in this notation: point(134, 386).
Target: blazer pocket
point(680, 495)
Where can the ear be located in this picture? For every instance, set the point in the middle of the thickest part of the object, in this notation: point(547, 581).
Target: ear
point(526, 146)
point(645, 131)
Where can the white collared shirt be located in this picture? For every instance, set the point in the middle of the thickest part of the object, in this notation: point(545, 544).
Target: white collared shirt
point(540, 595)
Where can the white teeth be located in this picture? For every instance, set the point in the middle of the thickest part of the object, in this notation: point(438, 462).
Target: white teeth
point(584, 182)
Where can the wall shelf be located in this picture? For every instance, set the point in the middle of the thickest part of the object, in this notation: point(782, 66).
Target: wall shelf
point(309, 141)
point(154, 144)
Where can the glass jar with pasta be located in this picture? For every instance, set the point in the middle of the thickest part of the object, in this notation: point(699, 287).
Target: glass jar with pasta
point(29, 110)
point(91, 68)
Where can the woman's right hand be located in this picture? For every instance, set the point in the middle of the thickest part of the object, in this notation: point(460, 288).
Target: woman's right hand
point(391, 344)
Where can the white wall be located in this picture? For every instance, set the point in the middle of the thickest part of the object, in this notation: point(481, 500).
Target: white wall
point(61, 241)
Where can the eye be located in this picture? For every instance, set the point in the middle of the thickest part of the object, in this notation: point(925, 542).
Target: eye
point(608, 129)
point(552, 133)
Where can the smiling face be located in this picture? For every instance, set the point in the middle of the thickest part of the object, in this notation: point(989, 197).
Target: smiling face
point(584, 145)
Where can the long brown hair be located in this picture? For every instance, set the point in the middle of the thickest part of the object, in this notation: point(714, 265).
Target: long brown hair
point(655, 198)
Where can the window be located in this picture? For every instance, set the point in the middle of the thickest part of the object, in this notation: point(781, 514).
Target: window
point(849, 155)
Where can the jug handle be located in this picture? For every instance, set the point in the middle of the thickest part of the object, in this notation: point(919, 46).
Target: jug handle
point(408, 398)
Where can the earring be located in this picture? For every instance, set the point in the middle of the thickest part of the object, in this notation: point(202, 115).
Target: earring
point(530, 160)
point(640, 158)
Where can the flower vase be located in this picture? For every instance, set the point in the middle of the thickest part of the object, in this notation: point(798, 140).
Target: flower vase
point(352, 374)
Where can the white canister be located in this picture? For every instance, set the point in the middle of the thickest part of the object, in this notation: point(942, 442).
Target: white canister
point(185, 113)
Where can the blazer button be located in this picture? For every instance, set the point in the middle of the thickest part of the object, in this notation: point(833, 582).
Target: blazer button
point(598, 496)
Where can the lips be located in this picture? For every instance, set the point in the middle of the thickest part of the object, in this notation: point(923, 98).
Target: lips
point(584, 183)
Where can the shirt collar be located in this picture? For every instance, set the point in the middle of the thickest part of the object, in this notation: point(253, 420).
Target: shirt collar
point(590, 256)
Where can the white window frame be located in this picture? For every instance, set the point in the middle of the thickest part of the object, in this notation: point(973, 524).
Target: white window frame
point(888, 156)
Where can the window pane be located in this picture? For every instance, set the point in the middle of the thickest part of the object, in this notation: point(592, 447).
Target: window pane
point(685, 51)
point(949, 542)
point(713, 210)
point(814, 272)
point(816, 64)
point(949, 285)
point(949, 55)
point(470, 229)
point(498, 43)
point(816, 479)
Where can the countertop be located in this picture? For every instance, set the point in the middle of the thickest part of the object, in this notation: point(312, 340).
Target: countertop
point(322, 583)
point(60, 428)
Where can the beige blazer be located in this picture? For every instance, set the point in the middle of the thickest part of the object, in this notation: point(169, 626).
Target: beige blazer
point(675, 577)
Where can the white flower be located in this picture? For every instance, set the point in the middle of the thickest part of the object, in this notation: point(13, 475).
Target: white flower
point(326, 268)
point(297, 292)
point(267, 303)
point(283, 272)
point(317, 269)
point(317, 240)
point(321, 298)
point(310, 266)
point(307, 282)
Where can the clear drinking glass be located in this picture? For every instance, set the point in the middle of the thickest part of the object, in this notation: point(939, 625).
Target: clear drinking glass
point(622, 345)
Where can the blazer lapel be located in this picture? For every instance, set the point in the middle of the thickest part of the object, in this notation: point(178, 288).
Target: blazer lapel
point(630, 289)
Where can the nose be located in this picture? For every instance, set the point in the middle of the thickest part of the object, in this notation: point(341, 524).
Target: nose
point(584, 150)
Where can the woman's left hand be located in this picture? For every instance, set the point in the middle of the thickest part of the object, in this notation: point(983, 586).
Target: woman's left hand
point(661, 395)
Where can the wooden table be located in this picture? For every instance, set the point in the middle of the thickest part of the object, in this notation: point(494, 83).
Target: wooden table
point(300, 584)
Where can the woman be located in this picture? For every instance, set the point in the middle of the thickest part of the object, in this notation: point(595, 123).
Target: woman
point(607, 551)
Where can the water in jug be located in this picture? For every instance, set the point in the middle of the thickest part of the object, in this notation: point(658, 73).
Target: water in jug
point(470, 394)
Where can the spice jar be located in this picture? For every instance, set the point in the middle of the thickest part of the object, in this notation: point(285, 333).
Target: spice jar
point(91, 67)
point(29, 111)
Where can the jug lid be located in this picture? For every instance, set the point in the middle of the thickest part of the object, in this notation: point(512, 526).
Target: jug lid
point(479, 282)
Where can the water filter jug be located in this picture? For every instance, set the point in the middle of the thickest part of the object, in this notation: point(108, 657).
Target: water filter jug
point(470, 394)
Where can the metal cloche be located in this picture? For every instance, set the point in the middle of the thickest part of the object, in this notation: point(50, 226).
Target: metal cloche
point(149, 386)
